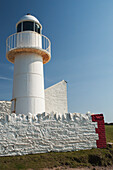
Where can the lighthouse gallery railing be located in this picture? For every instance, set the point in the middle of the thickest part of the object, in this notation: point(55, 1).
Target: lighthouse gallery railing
point(11, 42)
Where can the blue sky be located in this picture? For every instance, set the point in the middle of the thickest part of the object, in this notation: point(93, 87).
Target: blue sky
point(81, 33)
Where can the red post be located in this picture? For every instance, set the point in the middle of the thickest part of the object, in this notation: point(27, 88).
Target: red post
point(101, 143)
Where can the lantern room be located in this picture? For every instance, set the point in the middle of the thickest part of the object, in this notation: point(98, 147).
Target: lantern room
point(29, 23)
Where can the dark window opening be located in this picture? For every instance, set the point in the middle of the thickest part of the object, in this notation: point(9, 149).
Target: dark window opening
point(19, 28)
point(37, 28)
point(28, 26)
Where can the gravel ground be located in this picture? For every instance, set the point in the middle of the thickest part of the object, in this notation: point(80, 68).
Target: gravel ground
point(85, 168)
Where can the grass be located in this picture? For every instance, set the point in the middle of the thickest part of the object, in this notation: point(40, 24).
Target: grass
point(93, 157)
point(109, 133)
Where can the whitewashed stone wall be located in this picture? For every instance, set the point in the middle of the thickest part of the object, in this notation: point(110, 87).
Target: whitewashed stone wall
point(21, 134)
point(5, 108)
point(56, 98)
point(58, 131)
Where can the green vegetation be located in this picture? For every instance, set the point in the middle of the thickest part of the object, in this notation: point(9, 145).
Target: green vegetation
point(109, 133)
point(93, 157)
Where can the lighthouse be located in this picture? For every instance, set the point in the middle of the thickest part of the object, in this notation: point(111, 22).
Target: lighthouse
point(28, 50)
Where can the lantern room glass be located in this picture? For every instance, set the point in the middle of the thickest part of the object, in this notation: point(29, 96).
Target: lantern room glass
point(19, 28)
point(29, 26)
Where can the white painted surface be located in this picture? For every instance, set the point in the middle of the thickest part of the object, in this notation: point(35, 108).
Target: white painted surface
point(28, 18)
point(29, 39)
point(5, 108)
point(28, 85)
point(20, 134)
point(56, 98)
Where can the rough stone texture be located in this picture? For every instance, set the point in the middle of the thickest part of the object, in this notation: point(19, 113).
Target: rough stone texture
point(99, 118)
point(5, 108)
point(22, 134)
point(56, 98)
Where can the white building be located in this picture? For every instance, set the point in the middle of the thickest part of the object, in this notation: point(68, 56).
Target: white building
point(56, 98)
point(28, 49)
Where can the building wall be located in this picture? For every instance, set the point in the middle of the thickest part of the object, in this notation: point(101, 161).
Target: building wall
point(55, 130)
point(56, 98)
point(5, 108)
point(22, 134)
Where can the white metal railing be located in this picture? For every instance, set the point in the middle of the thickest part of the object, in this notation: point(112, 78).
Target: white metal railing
point(38, 41)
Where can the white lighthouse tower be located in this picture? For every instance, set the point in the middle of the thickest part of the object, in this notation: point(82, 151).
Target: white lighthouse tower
point(28, 49)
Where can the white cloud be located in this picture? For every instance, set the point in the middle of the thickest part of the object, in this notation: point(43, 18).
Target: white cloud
point(5, 78)
point(11, 67)
point(7, 66)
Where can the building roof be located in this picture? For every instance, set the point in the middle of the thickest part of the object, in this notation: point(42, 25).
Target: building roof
point(28, 17)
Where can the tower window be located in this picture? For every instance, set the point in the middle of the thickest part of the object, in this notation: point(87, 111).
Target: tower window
point(28, 26)
point(37, 28)
point(19, 28)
